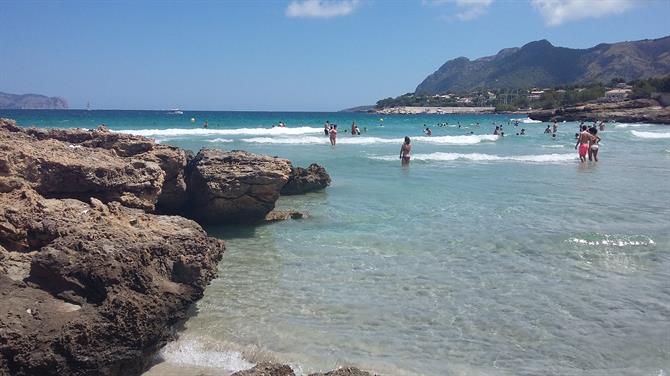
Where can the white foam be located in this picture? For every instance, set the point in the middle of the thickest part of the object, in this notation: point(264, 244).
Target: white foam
point(364, 140)
point(553, 146)
point(526, 120)
point(478, 157)
point(614, 241)
point(626, 125)
point(172, 132)
point(221, 140)
point(194, 353)
point(641, 134)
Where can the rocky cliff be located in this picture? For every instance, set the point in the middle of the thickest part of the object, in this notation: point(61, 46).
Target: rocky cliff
point(540, 64)
point(92, 278)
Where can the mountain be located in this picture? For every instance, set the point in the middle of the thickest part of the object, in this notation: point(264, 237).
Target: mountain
point(31, 102)
point(541, 64)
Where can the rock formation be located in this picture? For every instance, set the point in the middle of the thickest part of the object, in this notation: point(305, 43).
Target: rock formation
point(272, 369)
point(633, 111)
point(234, 186)
point(302, 180)
point(92, 288)
point(91, 282)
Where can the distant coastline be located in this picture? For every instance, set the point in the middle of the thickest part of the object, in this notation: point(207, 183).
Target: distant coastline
point(31, 102)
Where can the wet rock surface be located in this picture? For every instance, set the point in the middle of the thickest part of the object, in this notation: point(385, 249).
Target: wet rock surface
point(273, 369)
point(303, 180)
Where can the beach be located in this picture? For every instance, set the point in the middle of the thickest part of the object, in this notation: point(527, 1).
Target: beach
point(488, 255)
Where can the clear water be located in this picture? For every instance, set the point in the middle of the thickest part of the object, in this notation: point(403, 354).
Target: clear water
point(485, 257)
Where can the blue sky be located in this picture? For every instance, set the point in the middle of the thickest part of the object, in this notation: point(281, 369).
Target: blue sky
point(300, 55)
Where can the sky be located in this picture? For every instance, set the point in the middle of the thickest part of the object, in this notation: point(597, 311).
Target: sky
point(292, 55)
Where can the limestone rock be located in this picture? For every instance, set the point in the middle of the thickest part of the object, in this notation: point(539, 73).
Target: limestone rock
point(282, 215)
point(234, 186)
point(302, 180)
point(266, 369)
point(94, 288)
point(632, 111)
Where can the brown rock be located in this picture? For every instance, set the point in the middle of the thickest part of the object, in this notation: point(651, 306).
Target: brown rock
point(302, 180)
point(348, 371)
point(267, 369)
point(282, 215)
point(234, 186)
point(93, 289)
point(633, 111)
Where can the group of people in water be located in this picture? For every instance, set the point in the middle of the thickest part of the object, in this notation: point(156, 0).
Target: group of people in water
point(587, 141)
point(330, 130)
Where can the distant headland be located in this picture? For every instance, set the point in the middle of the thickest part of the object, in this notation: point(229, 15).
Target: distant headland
point(31, 102)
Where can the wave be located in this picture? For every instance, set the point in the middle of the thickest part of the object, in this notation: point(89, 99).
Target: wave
point(171, 132)
point(553, 146)
point(626, 125)
point(478, 157)
point(641, 134)
point(363, 140)
point(221, 140)
point(195, 353)
point(526, 120)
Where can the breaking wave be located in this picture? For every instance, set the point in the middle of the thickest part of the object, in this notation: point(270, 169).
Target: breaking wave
point(195, 353)
point(363, 140)
point(172, 132)
point(627, 125)
point(478, 157)
point(641, 134)
point(221, 140)
point(526, 120)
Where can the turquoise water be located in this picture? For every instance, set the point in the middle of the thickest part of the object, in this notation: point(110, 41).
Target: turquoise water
point(487, 256)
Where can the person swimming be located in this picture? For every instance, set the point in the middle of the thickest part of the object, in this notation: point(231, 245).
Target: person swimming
point(548, 130)
point(405, 151)
point(428, 132)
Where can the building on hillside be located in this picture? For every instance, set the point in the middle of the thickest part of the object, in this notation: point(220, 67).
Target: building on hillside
point(617, 95)
point(464, 100)
point(535, 95)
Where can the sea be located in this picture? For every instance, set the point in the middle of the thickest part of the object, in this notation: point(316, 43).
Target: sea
point(486, 255)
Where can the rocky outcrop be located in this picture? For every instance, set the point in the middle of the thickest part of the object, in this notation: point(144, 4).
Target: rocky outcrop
point(92, 288)
point(633, 111)
point(282, 215)
point(234, 186)
point(272, 369)
point(302, 180)
point(58, 169)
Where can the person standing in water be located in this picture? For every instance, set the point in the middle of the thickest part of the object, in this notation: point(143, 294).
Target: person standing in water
point(405, 151)
point(593, 148)
point(583, 142)
point(326, 128)
point(333, 135)
point(205, 124)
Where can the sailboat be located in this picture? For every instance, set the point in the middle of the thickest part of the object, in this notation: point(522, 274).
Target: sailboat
point(88, 106)
point(176, 111)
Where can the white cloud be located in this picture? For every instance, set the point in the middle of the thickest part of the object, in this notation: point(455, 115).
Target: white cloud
point(320, 8)
point(557, 12)
point(469, 9)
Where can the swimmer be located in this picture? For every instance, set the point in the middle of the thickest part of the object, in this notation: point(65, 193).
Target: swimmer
point(548, 130)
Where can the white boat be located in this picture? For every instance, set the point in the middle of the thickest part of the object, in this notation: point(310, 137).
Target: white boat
point(176, 111)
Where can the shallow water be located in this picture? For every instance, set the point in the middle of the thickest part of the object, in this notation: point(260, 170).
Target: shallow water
point(487, 256)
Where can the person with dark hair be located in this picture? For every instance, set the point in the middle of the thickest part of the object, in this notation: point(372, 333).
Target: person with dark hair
point(593, 148)
point(333, 134)
point(405, 151)
point(583, 141)
point(548, 130)
point(496, 132)
point(326, 128)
